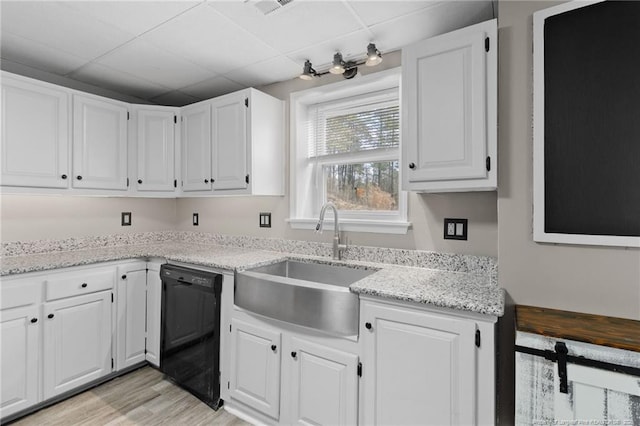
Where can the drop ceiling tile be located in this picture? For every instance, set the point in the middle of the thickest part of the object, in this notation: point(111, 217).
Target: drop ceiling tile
point(146, 61)
point(445, 17)
point(212, 87)
point(58, 26)
point(376, 12)
point(293, 26)
point(207, 38)
point(135, 17)
point(266, 72)
point(175, 98)
point(108, 78)
point(37, 55)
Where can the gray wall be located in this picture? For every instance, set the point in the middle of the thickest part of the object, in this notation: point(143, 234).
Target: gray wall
point(239, 215)
point(598, 280)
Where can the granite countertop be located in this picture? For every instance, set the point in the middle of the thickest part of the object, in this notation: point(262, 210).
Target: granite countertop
point(456, 290)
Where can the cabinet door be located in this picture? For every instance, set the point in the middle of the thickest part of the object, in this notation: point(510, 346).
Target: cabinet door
point(35, 135)
point(229, 142)
point(255, 367)
point(77, 341)
point(419, 368)
point(445, 109)
point(99, 144)
point(196, 148)
point(324, 384)
point(19, 355)
point(131, 328)
point(154, 299)
point(156, 142)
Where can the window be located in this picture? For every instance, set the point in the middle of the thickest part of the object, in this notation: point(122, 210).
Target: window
point(345, 148)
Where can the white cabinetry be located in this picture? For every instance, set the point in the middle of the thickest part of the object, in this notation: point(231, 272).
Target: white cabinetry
point(255, 366)
point(99, 143)
point(324, 384)
point(19, 352)
point(196, 147)
point(153, 312)
point(449, 111)
point(229, 141)
point(77, 341)
point(131, 315)
point(424, 367)
point(155, 141)
point(35, 134)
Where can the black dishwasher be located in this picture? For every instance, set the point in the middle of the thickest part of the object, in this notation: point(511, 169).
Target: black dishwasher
point(190, 338)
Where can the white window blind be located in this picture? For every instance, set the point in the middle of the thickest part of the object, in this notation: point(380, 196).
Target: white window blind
point(358, 124)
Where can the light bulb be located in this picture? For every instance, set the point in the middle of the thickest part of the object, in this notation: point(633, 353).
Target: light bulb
point(374, 57)
point(338, 64)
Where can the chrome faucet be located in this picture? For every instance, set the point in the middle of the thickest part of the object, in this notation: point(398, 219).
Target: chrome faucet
point(337, 247)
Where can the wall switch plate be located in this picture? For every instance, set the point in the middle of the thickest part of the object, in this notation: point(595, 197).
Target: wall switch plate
point(195, 219)
point(125, 218)
point(265, 220)
point(455, 229)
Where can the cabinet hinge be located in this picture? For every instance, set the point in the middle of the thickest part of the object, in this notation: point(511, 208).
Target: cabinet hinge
point(175, 183)
point(112, 363)
point(127, 182)
point(246, 179)
point(478, 338)
point(486, 44)
point(175, 119)
point(111, 297)
point(229, 328)
point(488, 163)
point(246, 102)
point(359, 369)
point(228, 385)
point(127, 115)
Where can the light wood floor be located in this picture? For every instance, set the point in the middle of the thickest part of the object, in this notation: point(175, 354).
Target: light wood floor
point(141, 397)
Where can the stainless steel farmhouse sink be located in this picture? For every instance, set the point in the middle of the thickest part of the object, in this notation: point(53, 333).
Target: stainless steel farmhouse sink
point(314, 295)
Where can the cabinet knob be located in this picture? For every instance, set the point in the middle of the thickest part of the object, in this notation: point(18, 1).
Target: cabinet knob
point(367, 325)
point(50, 316)
point(139, 180)
point(294, 354)
point(212, 180)
point(84, 285)
point(412, 166)
point(63, 176)
point(34, 320)
point(79, 177)
point(274, 347)
point(206, 181)
point(124, 277)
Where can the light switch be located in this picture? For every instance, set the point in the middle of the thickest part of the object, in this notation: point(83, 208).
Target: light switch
point(125, 218)
point(265, 220)
point(455, 229)
point(195, 219)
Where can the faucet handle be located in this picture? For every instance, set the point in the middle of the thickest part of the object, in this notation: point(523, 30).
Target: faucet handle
point(319, 227)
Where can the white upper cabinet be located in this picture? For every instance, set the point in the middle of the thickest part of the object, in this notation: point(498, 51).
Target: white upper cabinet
point(155, 139)
point(229, 141)
point(99, 143)
point(449, 111)
point(35, 134)
point(196, 147)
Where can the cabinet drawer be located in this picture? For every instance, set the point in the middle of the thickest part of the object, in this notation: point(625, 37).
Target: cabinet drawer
point(74, 284)
point(20, 292)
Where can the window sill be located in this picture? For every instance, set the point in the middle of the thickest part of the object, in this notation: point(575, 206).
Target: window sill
point(354, 225)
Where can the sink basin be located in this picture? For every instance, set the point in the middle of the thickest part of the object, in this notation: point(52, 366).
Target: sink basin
point(313, 295)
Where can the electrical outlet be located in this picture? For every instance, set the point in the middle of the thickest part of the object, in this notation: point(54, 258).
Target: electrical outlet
point(455, 229)
point(265, 220)
point(125, 218)
point(195, 219)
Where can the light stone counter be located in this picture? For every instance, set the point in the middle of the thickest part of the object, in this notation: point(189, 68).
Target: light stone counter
point(471, 287)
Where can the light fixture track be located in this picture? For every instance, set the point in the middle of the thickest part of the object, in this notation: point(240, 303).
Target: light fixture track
point(348, 69)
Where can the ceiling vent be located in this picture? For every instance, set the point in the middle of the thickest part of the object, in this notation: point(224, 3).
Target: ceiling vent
point(269, 6)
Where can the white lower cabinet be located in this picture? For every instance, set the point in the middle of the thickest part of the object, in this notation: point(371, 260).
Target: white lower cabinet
point(131, 315)
point(77, 341)
point(255, 367)
point(19, 355)
point(423, 367)
point(292, 378)
point(153, 313)
point(323, 385)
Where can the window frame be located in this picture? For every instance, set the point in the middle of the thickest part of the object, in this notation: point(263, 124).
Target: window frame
point(307, 190)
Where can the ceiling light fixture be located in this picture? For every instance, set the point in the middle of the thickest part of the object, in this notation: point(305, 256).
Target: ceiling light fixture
point(348, 69)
